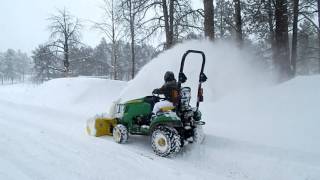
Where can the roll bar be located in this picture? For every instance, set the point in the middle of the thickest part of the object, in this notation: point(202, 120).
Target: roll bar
point(202, 77)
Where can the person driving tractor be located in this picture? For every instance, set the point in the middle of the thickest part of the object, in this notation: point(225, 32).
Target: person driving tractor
point(170, 92)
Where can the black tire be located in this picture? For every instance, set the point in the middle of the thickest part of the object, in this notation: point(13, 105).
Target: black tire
point(120, 134)
point(165, 141)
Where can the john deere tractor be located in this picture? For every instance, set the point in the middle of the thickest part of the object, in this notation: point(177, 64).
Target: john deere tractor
point(172, 127)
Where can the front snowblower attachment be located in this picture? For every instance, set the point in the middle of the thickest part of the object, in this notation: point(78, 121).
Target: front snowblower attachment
point(101, 126)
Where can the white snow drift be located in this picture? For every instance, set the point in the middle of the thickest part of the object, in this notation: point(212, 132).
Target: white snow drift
point(228, 68)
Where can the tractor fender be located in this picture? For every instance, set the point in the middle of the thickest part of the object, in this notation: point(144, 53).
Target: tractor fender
point(174, 124)
point(165, 119)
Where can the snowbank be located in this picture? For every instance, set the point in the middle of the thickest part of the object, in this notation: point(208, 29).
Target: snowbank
point(82, 95)
point(285, 116)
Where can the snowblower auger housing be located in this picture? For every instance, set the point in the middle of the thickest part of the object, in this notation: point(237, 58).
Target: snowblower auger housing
point(170, 128)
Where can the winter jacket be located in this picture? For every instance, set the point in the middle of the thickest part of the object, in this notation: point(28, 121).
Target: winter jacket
point(170, 91)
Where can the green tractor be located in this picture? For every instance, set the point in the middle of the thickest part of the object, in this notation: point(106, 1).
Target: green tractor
point(170, 128)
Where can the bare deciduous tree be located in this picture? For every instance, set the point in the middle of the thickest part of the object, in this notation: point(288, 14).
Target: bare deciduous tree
point(173, 17)
point(65, 33)
point(168, 21)
point(111, 27)
point(133, 13)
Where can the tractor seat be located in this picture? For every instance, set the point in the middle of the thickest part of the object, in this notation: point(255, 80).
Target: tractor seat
point(167, 108)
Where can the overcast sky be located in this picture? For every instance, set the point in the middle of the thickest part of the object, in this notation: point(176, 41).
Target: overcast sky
point(23, 23)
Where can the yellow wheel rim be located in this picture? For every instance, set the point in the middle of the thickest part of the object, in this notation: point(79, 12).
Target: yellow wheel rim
point(117, 135)
point(162, 142)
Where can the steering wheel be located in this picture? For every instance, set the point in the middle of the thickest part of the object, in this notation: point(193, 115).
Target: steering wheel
point(157, 95)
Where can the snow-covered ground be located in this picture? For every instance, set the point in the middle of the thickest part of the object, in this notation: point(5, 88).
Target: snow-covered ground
point(253, 132)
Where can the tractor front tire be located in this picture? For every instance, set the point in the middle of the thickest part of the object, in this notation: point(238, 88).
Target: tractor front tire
point(165, 141)
point(120, 134)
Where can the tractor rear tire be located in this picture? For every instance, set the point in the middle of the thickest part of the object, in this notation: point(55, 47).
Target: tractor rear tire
point(165, 141)
point(120, 134)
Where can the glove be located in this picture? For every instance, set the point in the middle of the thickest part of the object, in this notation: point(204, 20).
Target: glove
point(155, 91)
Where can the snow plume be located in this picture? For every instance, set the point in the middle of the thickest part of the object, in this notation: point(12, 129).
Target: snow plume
point(228, 68)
